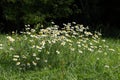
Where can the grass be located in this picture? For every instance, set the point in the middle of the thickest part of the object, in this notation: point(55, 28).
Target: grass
point(67, 56)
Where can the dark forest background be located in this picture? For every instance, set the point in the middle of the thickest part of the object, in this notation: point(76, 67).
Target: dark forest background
point(101, 15)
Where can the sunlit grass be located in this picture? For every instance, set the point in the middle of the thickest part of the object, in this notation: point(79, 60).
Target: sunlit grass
point(72, 53)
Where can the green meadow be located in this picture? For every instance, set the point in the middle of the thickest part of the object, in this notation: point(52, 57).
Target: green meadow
point(70, 53)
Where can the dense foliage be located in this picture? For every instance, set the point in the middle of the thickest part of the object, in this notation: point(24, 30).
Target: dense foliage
point(97, 13)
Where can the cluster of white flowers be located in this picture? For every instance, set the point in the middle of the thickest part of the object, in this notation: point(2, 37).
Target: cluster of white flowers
point(37, 47)
point(23, 61)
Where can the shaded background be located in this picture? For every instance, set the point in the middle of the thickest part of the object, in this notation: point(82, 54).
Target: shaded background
point(101, 15)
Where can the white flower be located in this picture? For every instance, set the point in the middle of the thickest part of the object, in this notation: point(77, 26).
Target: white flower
point(46, 61)
point(39, 50)
point(11, 48)
point(16, 56)
point(31, 40)
point(90, 49)
point(10, 39)
point(99, 51)
point(105, 53)
point(28, 33)
point(38, 47)
point(58, 52)
point(48, 52)
point(74, 22)
point(87, 33)
point(106, 66)
point(87, 27)
point(91, 43)
point(81, 30)
point(15, 59)
point(52, 23)
point(18, 63)
point(98, 58)
point(37, 58)
point(68, 40)
point(103, 40)
point(1, 45)
point(95, 41)
point(78, 42)
point(28, 25)
point(80, 51)
point(13, 32)
point(106, 46)
point(112, 50)
point(34, 63)
point(33, 46)
point(33, 30)
point(23, 56)
point(63, 43)
point(96, 36)
point(99, 33)
point(53, 41)
point(49, 41)
point(28, 64)
point(79, 45)
point(43, 42)
point(34, 54)
point(72, 49)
